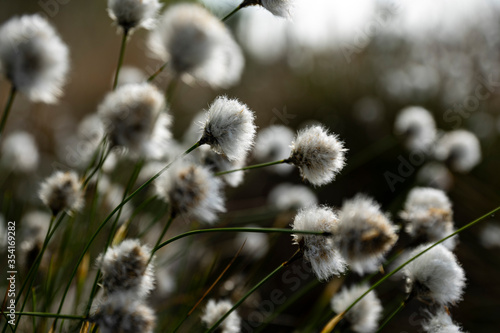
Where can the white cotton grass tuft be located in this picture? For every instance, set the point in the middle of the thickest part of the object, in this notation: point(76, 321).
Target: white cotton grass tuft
point(20, 152)
point(62, 191)
point(197, 46)
point(418, 126)
point(214, 310)
point(126, 268)
point(34, 58)
point(490, 235)
point(365, 234)
point(318, 154)
point(130, 14)
point(428, 216)
point(282, 8)
point(441, 322)
point(123, 313)
point(460, 148)
point(435, 276)
point(192, 191)
point(365, 315)
point(320, 251)
point(219, 162)
point(273, 144)
point(129, 74)
point(288, 196)
point(435, 174)
point(130, 114)
point(229, 128)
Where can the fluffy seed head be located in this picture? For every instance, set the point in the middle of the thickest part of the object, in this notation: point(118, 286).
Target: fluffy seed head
point(219, 162)
point(490, 235)
point(192, 191)
point(365, 315)
point(428, 216)
point(62, 191)
point(33, 58)
point(282, 8)
point(125, 268)
point(19, 152)
point(461, 149)
point(290, 196)
point(229, 128)
point(441, 323)
point(418, 126)
point(320, 251)
point(122, 313)
point(130, 14)
point(197, 46)
point(272, 144)
point(435, 276)
point(215, 310)
point(318, 155)
point(130, 114)
point(365, 234)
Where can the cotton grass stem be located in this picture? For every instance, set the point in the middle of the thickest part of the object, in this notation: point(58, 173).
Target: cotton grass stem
point(155, 74)
point(392, 315)
point(255, 166)
point(117, 208)
point(8, 106)
point(234, 11)
point(120, 58)
point(329, 327)
point(165, 229)
point(259, 230)
point(296, 256)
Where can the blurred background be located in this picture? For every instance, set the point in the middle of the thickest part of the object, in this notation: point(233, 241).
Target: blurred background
point(351, 65)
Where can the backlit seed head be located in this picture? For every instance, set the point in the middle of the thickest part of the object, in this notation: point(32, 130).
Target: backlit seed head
point(125, 268)
point(62, 191)
point(131, 14)
point(320, 251)
point(365, 234)
point(229, 128)
point(461, 149)
point(435, 276)
point(318, 154)
point(364, 317)
point(34, 58)
point(214, 310)
point(192, 191)
point(418, 126)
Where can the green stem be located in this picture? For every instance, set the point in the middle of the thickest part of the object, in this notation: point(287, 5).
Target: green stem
point(165, 229)
point(120, 58)
point(155, 74)
point(8, 106)
point(225, 18)
point(258, 230)
point(255, 166)
point(101, 226)
point(257, 286)
point(382, 280)
point(104, 156)
point(394, 313)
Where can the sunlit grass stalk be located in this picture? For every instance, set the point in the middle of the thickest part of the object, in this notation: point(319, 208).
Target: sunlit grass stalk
point(155, 74)
point(331, 325)
point(255, 166)
point(297, 255)
point(235, 229)
point(7, 109)
point(106, 220)
point(120, 58)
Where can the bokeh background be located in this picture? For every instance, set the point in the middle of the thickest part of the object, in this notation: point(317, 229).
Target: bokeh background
point(351, 65)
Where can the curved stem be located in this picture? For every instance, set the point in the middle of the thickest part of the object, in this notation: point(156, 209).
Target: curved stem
point(120, 58)
point(394, 313)
point(101, 226)
point(397, 269)
point(259, 230)
point(255, 166)
point(257, 286)
point(165, 229)
point(8, 106)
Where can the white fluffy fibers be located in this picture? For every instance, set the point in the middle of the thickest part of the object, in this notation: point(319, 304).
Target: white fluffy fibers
point(130, 14)
point(214, 310)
